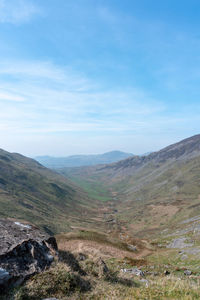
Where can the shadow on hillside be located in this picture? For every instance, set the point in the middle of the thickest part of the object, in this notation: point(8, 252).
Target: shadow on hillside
point(69, 259)
point(114, 279)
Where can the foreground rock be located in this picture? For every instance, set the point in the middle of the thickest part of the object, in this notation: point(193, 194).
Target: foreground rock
point(180, 243)
point(134, 271)
point(188, 272)
point(24, 251)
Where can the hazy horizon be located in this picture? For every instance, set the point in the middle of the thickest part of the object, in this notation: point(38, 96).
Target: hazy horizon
point(89, 77)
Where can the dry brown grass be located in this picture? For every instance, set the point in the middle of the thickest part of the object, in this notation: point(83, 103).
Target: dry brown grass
point(96, 245)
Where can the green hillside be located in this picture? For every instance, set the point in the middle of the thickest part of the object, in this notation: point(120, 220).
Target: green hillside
point(34, 193)
point(149, 192)
point(140, 194)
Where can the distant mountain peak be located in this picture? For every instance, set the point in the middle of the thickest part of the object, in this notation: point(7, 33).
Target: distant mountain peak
point(82, 160)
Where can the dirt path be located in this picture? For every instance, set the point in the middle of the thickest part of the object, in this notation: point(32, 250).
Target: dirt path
point(95, 250)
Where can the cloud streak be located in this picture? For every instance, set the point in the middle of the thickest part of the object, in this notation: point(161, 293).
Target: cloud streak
point(40, 99)
point(52, 103)
point(4, 96)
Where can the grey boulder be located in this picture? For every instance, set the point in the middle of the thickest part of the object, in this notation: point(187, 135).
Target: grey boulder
point(24, 251)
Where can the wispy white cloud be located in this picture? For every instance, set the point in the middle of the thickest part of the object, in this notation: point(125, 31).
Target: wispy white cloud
point(53, 99)
point(17, 11)
point(52, 103)
point(4, 96)
point(36, 73)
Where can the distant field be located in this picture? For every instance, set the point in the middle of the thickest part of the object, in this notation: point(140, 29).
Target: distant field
point(94, 189)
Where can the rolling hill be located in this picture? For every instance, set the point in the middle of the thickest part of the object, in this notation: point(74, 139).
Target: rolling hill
point(82, 160)
point(31, 192)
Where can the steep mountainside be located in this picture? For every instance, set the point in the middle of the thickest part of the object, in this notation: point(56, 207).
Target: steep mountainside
point(152, 190)
point(82, 160)
point(140, 241)
point(32, 192)
point(138, 194)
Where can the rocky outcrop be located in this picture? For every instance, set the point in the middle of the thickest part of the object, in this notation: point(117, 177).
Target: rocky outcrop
point(24, 251)
point(134, 271)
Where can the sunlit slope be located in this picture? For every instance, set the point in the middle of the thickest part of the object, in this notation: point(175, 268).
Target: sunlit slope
point(153, 190)
point(32, 192)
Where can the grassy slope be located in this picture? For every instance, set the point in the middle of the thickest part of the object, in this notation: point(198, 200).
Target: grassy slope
point(165, 199)
point(151, 192)
point(72, 278)
point(92, 186)
point(31, 192)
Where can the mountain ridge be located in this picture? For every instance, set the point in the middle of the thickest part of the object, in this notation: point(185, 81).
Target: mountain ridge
point(140, 186)
point(82, 160)
point(168, 178)
point(176, 151)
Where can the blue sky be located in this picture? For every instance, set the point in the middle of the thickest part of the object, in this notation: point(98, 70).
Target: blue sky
point(90, 76)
